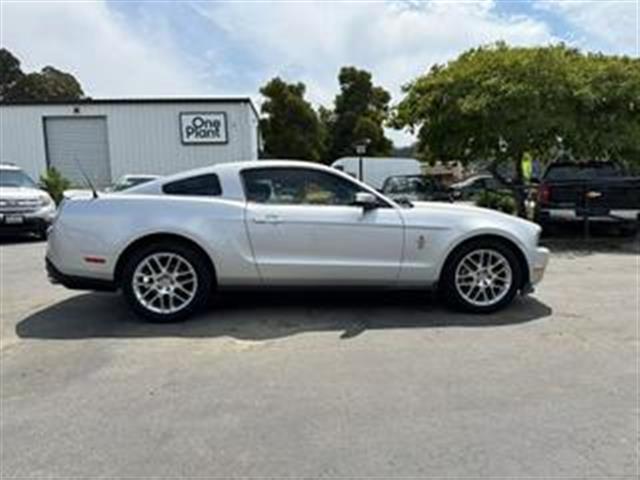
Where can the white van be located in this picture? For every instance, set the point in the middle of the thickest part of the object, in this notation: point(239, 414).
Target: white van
point(375, 170)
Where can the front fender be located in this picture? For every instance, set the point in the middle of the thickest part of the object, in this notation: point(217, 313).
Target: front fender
point(486, 232)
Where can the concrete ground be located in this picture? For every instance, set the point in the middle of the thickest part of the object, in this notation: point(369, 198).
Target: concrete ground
point(323, 385)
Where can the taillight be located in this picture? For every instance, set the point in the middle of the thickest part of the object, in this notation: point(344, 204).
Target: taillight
point(544, 193)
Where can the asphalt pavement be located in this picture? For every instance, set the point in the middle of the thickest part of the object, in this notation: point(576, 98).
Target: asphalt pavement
point(330, 384)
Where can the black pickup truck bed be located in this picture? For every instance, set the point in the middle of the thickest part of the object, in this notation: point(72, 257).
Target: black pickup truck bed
point(597, 190)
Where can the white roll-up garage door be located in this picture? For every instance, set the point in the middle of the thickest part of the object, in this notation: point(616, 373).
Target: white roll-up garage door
point(83, 140)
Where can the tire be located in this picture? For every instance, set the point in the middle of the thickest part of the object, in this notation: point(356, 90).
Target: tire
point(457, 279)
point(171, 295)
point(630, 229)
point(42, 234)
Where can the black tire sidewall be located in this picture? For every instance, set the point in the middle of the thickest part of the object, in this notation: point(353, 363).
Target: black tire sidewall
point(447, 283)
point(199, 264)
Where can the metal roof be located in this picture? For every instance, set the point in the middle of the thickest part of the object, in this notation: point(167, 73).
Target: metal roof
point(133, 100)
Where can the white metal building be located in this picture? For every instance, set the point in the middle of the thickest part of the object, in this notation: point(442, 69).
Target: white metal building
point(113, 137)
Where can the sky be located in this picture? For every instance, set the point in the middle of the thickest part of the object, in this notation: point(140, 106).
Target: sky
point(222, 48)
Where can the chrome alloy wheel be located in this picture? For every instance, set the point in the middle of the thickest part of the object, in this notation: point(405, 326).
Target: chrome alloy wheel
point(483, 277)
point(165, 282)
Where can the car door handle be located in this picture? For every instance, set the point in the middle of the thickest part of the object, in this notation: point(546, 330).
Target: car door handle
point(270, 218)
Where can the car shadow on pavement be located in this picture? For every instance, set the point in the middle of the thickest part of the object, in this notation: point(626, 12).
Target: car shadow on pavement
point(268, 315)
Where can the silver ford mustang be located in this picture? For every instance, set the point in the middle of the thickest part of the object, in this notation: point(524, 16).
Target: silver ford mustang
point(170, 243)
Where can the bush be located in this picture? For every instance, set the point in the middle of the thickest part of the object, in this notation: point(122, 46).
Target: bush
point(54, 183)
point(503, 202)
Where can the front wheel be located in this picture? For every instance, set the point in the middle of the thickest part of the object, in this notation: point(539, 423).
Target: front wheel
point(482, 276)
point(166, 282)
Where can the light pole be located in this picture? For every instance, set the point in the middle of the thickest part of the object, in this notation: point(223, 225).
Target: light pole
point(361, 149)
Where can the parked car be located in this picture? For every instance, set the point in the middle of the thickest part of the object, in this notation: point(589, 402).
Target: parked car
point(169, 243)
point(24, 207)
point(415, 188)
point(131, 180)
point(375, 170)
point(469, 188)
point(600, 190)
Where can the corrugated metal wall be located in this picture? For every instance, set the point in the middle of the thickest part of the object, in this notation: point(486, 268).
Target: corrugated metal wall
point(143, 137)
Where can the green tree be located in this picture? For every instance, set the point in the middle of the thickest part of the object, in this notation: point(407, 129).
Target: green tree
point(607, 105)
point(10, 72)
point(54, 183)
point(360, 110)
point(48, 84)
point(498, 103)
point(291, 128)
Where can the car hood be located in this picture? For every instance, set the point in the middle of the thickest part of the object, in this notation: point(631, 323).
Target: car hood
point(20, 193)
point(463, 211)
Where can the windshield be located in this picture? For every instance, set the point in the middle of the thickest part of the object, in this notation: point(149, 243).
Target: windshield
point(15, 178)
point(582, 172)
point(130, 182)
point(408, 185)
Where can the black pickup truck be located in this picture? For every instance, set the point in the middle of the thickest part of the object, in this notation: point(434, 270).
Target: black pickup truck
point(599, 191)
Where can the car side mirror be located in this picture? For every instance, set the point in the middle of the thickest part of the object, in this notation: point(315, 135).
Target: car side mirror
point(366, 200)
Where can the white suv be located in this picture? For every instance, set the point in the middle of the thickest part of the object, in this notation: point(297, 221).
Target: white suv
point(24, 208)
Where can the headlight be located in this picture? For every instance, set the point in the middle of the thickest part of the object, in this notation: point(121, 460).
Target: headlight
point(45, 201)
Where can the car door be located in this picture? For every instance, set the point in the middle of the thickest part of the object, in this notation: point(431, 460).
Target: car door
point(305, 229)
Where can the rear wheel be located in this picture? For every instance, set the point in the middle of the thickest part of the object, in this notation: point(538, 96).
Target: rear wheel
point(166, 282)
point(481, 276)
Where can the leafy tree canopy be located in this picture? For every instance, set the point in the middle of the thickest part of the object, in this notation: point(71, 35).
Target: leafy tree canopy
point(499, 102)
point(48, 84)
point(290, 128)
point(10, 71)
point(360, 110)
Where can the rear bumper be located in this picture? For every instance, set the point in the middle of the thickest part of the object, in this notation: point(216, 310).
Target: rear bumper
point(77, 283)
point(570, 215)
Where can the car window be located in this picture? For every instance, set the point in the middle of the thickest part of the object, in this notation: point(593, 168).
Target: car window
point(492, 184)
point(582, 172)
point(15, 178)
point(204, 185)
point(298, 186)
point(477, 184)
point(408, 185)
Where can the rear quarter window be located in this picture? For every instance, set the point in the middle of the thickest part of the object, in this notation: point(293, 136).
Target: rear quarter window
point(201, 185)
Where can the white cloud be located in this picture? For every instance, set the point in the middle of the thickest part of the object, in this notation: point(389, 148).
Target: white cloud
point(96, 45)
point(310, 41)
point(610, 25)
point(302, 41)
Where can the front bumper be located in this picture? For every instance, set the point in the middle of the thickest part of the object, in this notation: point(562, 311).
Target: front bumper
point(539, 264)
point(36, 221)
point(28, 225)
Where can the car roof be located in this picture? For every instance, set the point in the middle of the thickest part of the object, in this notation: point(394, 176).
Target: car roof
point(231, 168)
point(9, 166)
point(237, 166)
point(139, 175)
